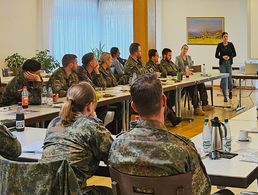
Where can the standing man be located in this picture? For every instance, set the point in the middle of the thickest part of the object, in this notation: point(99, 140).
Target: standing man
point(134, 64)
point(30, 77)
point(64, 77)
point(150, 149)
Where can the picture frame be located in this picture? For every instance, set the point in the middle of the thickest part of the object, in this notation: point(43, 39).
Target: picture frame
point(204, 30)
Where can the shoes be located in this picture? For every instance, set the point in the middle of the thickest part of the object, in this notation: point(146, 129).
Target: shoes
point(198, 112)
point(207, 108)
point(230, 95)
point(173, 118)
point(225, 99)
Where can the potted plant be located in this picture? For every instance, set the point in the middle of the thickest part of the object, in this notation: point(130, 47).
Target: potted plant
point(98, 51)
point(14, 62)
point(48, 62)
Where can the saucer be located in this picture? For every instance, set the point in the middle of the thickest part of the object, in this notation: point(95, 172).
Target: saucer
point(244, 140)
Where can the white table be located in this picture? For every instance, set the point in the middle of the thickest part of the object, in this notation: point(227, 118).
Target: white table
point(233, 172)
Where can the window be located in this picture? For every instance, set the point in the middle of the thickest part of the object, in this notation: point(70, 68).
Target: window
point(79, 26)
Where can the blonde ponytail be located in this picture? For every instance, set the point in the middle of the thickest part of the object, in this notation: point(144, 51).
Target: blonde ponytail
point(78, 96)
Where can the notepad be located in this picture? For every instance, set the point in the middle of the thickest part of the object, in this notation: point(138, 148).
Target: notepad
point(248, 155)
point(35, 147)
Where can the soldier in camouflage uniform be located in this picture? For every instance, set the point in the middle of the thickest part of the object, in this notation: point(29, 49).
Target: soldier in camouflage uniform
point(78, 137)
point(166, 62)
point(89, 71)
point(30, 77)
point(66, 76)
point(106, 62)
point(134, 64)
point(10, 147)
point(150, 149)
point(153, 66)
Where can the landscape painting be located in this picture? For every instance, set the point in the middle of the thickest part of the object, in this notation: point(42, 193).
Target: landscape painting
point(204, 30)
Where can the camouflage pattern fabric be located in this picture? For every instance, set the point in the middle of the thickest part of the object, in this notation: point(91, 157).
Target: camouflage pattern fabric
point(10, 147)
point(83, 75)
point(150, 150)
point(56, 177)
point(152, 67)
point(13, 90)
point(170, 67)
point(60, 82)
point(83, 144)
point(132, 66)
point(109, 78)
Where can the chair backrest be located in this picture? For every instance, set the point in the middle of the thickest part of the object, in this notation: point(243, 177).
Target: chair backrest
point(22, 178)
point(124, 184)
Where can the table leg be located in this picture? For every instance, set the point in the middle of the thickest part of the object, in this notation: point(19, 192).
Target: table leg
point(239, 106)
point(177, 103)
point(124, 116)
point(127, 110)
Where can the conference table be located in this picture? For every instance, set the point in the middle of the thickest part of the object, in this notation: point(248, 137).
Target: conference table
point(223, 172)
point(39, 113)
point(240, 77)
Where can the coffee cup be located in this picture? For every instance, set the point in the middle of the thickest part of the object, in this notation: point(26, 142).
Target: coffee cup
point(243, 135)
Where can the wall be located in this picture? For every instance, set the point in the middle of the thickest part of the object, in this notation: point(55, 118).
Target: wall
point(18, 21)
point(253, 28)
point(171, 26)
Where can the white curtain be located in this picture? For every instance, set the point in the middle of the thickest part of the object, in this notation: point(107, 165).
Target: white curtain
point(116, 24)
point(77, 26)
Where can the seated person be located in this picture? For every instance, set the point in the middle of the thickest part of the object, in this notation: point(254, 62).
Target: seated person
point(116, 65)
point(150, 149)
point(167, 63)
point(29, 76)
point(182, 61)
point(153, 67)
point(89, 66)
point(134, 64)
point(105, 71)
point(10, 147)
point(64, 77)
point(77, 136)
point(153, 64)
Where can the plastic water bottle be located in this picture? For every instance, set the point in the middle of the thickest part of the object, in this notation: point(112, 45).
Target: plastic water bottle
point(136, 121)
point(49, 96)
point(25, 97)
point(204, 70)
point(20, 122)
point(206, 136)
point(227, 139)
point(187, 72)
point(179, 75)
point(44, 96)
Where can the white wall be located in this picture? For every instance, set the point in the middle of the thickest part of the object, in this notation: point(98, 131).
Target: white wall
point(18, 28)
point(253, 29)
point(171, 26)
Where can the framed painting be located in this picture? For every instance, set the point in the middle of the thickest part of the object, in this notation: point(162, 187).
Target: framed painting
point(204, 30)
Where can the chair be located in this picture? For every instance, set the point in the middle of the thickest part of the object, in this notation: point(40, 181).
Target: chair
point(124, 184)
point(55, 177)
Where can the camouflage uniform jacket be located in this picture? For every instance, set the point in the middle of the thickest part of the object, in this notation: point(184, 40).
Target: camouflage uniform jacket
point(150, 150)
point(83, 144)
point(10, 147)
point(132, 66)
point(83, 75)
point(152, 67)
point(54, 177)
point(60, 82)
point(107, 75)
point(170, 67)
point(13, 90)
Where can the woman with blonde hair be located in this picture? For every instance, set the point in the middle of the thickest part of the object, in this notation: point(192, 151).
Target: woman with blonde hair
point(105, 71)
point(77, 136)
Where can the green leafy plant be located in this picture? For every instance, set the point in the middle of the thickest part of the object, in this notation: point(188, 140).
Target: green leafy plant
point(98, 51)
point(14, 61)
point(48, 62)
